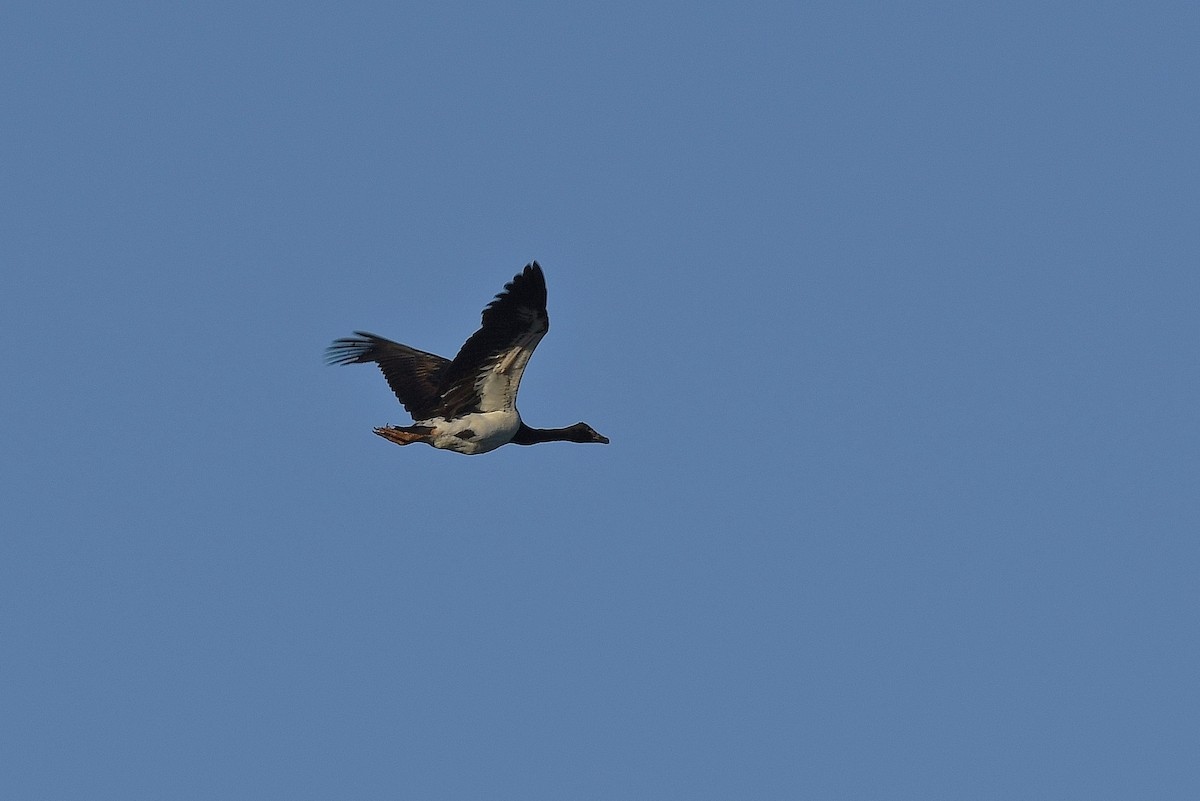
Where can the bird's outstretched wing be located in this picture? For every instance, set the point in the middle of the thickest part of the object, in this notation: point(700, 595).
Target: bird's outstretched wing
point(413, 375)
point(486, 373)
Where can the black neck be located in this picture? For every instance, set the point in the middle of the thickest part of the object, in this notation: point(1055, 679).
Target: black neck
point(532, 436)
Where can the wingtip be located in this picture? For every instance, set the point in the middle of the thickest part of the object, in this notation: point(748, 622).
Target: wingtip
point(532, 271)
point(527, 286)
point(349, 350)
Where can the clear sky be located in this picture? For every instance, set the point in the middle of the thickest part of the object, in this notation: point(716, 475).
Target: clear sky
point(890, 312)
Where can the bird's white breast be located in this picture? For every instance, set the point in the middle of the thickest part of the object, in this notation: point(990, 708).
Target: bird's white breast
point(479, 432)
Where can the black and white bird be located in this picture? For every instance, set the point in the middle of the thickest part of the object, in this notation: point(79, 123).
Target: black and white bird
point(468, 405)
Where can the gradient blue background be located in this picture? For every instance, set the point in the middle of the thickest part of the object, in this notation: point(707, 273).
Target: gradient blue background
point(890, 311)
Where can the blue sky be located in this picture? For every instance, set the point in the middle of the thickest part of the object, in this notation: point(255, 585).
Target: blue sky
point(890, 312)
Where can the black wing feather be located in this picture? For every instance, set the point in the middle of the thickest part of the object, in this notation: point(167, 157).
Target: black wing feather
point(413, 375)
point(520, 308)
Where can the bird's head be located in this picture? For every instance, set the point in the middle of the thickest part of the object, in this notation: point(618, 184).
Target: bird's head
point(582, 432)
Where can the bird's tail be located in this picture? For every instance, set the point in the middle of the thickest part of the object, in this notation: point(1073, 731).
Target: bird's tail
point(405, 435)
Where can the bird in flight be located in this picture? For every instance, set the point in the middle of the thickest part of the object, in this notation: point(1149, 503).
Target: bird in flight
point(468, 405)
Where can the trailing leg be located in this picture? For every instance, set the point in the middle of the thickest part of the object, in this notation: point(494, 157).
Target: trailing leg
point(405, 435)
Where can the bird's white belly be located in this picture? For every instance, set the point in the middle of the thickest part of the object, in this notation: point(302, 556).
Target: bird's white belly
point(474, 433)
